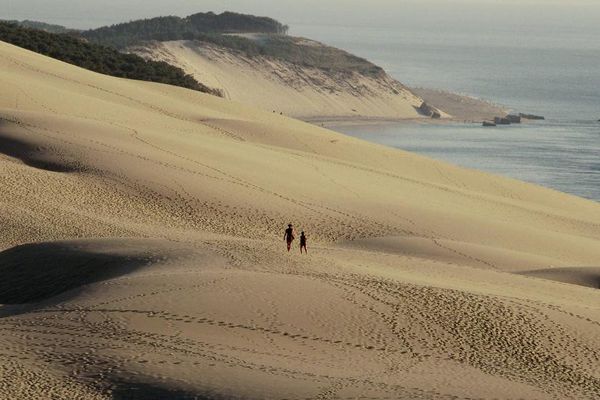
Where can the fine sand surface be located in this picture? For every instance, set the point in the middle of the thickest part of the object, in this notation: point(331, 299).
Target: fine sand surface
point(141, 257)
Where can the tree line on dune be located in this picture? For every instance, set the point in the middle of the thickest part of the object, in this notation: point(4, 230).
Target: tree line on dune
point(97, 58)
point(104, 49)
point(223, 30)
point(40, 26)
point(201, 25)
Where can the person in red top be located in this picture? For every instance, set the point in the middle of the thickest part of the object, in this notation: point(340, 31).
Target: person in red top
point(289, 236)
point(303, 243)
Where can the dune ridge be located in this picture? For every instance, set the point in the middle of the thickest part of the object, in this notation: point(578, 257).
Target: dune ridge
point(412, 287)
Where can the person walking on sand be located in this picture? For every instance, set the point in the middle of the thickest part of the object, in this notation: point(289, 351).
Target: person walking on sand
point(289, 236)
point(303, 243)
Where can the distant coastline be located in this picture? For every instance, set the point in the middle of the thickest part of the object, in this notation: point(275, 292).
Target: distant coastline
point(253, 61)
point(462, 109)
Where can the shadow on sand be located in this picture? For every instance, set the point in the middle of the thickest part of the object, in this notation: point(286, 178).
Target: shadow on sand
point(145, 391)
point(36, 272)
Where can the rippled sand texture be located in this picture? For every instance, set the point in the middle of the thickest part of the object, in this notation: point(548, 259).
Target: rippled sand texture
point(142, 257)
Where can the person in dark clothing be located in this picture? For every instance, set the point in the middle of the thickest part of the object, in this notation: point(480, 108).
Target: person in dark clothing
point(289, 236)
point(303, 243)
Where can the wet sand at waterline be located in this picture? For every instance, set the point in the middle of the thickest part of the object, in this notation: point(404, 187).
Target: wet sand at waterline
point(142, 257)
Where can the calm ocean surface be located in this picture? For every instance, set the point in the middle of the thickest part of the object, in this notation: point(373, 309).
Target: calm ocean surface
point(551, 71)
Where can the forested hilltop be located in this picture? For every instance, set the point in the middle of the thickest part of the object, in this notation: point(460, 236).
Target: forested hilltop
point(96, 57)
point(250, 35)
point(196, 26)
point(42, 26)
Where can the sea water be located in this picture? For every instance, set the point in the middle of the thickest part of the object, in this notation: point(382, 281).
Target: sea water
point(550, 70)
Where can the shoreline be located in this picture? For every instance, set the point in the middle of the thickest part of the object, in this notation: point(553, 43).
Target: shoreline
point(328, 122)
point(461, 108)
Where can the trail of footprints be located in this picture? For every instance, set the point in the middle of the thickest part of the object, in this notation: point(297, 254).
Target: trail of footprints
point(167, 316)
point(411, 301)
point(499, 336)
point(498, 340)
point(89, 363)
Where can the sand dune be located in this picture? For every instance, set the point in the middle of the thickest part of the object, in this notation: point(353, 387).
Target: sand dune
point(142, 257)
point(311, 94)
point(275, 85)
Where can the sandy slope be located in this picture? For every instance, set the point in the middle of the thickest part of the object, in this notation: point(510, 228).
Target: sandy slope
point(306, 93)
point(157, 213)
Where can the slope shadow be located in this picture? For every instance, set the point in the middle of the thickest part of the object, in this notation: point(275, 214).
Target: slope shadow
point(143, 391)
point(36, 272)
point(33, 155)
point(582, 276)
